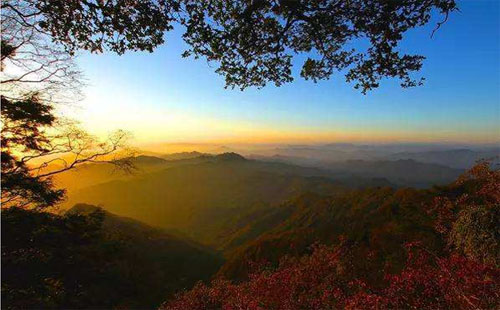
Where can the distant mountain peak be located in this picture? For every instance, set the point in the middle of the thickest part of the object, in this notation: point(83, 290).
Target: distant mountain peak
point(184, 155)
point(83, 208)
point(146, 159)
point(230, 156)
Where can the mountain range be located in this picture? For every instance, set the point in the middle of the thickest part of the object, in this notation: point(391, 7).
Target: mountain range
point(198, 215)
point(213, 198)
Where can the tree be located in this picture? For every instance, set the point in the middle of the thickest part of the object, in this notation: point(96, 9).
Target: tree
point(51, 261)
point(463, 274)
point(324, 280)
point(36, 75)
point(476, 233)
point(468, 215)
point(32, 140)
point(431, 282)
point(88, 258)
point(253, 42)
point(31, 61)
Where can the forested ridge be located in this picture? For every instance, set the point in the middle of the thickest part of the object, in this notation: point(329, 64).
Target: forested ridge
point(93, 222)
point(372, 247)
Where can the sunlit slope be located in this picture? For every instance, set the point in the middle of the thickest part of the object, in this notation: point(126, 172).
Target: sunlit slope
point(378, 219)
point(151, 263)
point(96, 173)
point(211, 199)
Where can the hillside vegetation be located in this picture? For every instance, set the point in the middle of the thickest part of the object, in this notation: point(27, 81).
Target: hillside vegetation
point(207, 199)
point(291, 237)
point(378, 249)
point(91, 259)
point(215, 198)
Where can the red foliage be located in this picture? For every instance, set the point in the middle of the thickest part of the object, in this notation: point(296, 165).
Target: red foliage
point(486, 181)
point(480, 185)
point(430, 282)
point(327, 278)
point(321, 281)
point(312, 282)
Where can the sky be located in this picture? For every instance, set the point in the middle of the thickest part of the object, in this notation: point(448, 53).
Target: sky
point(161, 97)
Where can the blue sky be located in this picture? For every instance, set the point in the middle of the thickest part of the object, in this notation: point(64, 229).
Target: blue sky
point(165, 98)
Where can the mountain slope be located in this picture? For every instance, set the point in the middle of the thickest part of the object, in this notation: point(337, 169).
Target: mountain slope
point(402, 172)
point(91, 259)
point(382, 219)
point(204, 200)
point(423, 174)
point(156, 262)
point(457, 158)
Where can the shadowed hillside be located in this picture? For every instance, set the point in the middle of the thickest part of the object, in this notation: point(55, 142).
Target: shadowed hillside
point(375, 248)
point(99, 260)
point(382, 219)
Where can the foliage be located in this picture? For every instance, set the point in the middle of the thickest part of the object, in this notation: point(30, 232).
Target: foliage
point(476, 233)
point(308, 283)
point(452, 274)
point(98, 25)
point(378, 220)
point(88, 259)
point(430, 282)
point(468, 214)
point(32, 139)
point(253, 42)
point(48, 260)
point(324, 280)
point(23, 127)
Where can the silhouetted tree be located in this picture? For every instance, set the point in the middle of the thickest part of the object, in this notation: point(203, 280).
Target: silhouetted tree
point(31, 61)
point(51, 261)
point(37, 74)
point(32, 140)
point(252, 41)
point(22, 123)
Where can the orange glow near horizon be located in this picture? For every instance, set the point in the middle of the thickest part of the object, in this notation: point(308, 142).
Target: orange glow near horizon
point(101, 113)
point(253, 138)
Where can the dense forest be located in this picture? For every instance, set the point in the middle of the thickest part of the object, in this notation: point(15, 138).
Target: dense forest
point(325, 245)
point(89, 258)
point(92, 221)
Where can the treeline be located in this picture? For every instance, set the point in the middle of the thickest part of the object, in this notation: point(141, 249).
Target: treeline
point(90, 259)
point(438, 249)
point(372, 248)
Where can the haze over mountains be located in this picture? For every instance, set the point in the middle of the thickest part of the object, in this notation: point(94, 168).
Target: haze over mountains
point(459, 156)
point(217, 214)
point(198, 196)
point(211, 198)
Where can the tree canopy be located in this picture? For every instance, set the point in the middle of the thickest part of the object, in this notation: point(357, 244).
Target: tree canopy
point(37, 73)
point(252, 42)
point(32, 140)
point(458, 272)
